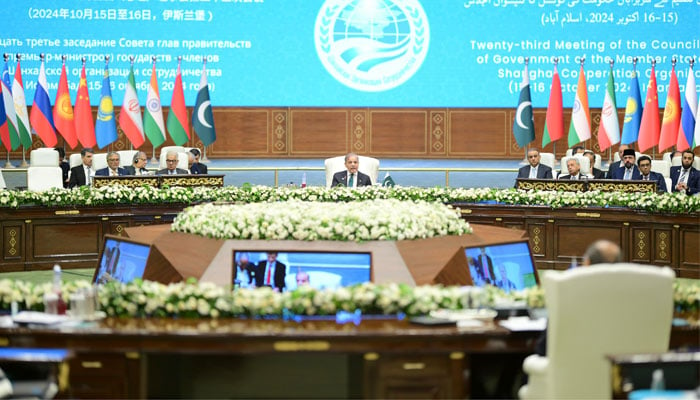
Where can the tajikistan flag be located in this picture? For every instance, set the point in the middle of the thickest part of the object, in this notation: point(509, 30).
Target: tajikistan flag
point(23, 127)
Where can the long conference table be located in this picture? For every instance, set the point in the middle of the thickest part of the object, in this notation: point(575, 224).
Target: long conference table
point(378, 357)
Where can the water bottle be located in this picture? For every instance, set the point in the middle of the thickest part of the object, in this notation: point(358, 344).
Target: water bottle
point(657, 380)
point(61, 305)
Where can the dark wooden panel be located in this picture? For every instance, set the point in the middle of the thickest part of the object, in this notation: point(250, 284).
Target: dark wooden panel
point(241, 131)
point(319, 132)
point(571, 239)
point(479, 133)
point(399, 132)
point(52, 239)
point(13, 241)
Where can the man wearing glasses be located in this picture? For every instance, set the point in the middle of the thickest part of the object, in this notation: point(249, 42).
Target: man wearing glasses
point(138, 166)
point(644, 164)
point(171, 165)
point(113, 168)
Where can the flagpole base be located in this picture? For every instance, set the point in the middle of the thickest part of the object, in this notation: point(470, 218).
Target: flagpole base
point(8, 164)
point(24, 164)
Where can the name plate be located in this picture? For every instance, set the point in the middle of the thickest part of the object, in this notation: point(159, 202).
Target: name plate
point(159, 180)
point(584, 185)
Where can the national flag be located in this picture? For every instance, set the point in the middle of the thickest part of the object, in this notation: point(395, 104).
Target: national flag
point(63, 111)
point(524, 123)
point(130, 118)
point(23, 127)
point(609, 129)
point(153, 118)
point(696, 135)
point(9, 106)
point(106, 125)
point(84, 127)
point(689, 110)
point(672, 114)
point(388, 182)
point(41, 118)
point(649, 127)
point(4, 130)
point(580, 127)
point(202, 116)
point(554, 122)
point(178, 122)
point(633, 112)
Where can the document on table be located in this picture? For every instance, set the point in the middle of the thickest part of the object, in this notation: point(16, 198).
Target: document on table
point(517, 324)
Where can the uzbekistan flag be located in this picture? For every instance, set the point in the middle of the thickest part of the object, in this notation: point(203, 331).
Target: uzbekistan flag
point(690, 108)
point(9, 106)
point(41, 118)
point(178, 122)
point(580, 127)
point(649, 127)
point(672, 114)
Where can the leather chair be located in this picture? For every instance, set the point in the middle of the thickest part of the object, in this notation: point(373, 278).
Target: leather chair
point(126, 157)
point(43, 172)
point(583, 161)
point(99, 161)
point(368, 166)
point(181, 154)
point(606, 309)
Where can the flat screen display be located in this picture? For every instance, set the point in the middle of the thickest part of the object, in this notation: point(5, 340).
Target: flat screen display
point(509, 266)
point(121, 260)
point(320, 270)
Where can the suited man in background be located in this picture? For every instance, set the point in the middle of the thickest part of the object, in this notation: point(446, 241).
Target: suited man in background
point(615, 165)
point(627, 170)
point(685, 178)
point(271, 273)
point(196, 167)
point(535, 170)
point(351, 177)
point(644, 164)
point(81, 175)
point(113, 168)
point(595, 172)
point(65, 166)
point(138, 164)
point(171, 168)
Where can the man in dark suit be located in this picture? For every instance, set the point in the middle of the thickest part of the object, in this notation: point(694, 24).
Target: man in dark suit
point(351, 177)
point(627, 170)
point(171, 161)
point(644, 164)
point(65, 166)
point(685, 178)
point(138, 165)
point(595, 172)
point(615, 165)
point(196, 167)
point(271, 273)
point(484, 265)
point(574, 168)
point(81, 175)
point(535, 169)
point(113, 168)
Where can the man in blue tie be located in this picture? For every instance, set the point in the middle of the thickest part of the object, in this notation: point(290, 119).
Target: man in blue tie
point(627, 170)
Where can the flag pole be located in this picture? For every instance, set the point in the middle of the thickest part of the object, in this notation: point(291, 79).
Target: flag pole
point(153, 159)
point(8, 164)
point(24, 156)
point(204, 147)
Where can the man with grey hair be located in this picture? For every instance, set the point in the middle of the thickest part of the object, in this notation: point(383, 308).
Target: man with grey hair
point(171, 160)
point(574, 168)
point(351, 177)
point(113, 168)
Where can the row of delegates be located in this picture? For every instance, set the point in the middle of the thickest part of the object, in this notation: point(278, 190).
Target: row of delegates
point(684, 178)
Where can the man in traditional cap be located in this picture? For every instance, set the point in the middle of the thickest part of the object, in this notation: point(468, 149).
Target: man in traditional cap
point(628, 169)
point(615, 165)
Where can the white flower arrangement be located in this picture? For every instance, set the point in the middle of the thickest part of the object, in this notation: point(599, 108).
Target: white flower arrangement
point(120, 195)
point(303, 220)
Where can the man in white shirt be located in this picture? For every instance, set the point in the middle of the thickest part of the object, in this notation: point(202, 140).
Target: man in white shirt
point(81, 175)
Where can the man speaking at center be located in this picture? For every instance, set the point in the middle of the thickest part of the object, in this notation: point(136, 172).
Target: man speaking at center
point(351, 177)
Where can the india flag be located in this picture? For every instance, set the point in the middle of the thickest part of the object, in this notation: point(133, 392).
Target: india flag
point(153, 118)
point(609, 130)
point(580, 127)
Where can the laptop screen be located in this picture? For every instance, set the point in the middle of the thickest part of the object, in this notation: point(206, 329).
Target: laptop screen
point(320, 270)
point(509, 266)
point(121, 259)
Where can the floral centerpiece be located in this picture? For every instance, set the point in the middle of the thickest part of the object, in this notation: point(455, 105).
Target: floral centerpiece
point(678, 203)
point(303, 220)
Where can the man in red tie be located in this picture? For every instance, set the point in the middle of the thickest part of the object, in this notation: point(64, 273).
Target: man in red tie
point(271, 273)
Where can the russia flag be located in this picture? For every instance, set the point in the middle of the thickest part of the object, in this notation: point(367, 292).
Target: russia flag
point(41, 117)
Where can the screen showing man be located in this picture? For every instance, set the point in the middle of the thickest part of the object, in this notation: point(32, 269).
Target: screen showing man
point(509, 266)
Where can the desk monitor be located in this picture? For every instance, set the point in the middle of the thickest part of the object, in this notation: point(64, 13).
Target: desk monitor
point(509, 266)
point(121, 259)
point(319, 269)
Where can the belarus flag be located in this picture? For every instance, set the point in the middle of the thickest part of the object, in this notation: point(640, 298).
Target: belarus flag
point(178, 122)
point(41, 118)
point(554, 121)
